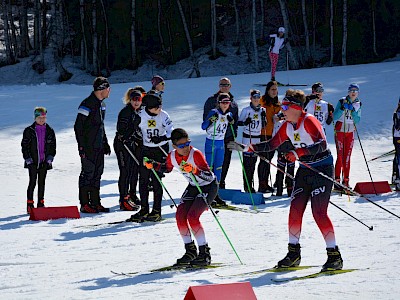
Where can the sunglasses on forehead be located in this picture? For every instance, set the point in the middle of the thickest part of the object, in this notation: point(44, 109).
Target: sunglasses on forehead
point(181, 146)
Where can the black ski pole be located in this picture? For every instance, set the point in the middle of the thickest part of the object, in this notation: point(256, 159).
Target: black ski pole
point(391, 152)
point(362, 150)
point(350, 190)
point(292, 177)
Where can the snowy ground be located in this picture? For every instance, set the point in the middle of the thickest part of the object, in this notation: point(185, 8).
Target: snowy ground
point(69, 259)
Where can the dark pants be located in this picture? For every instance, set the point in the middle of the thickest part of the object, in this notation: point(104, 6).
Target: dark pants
point(128, 169)
point(227, 160)
point(249, 162)
point(264, 168)
point(285, 166)
point(396, 160)
point(156, 154)
point(39, 175)
point(92, 167)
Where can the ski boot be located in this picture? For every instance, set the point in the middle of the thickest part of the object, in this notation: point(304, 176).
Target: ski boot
point(88, 209)
point(218, 202)
point(204, 257)
point(334, 262)
point(29, 206)
point(139, 217)
point(40, 203)
point(292, 258)
point(154, 216)
point(127, 204)
point(191, 253)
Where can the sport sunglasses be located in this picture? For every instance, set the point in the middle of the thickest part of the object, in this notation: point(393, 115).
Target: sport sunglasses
point(181, 146)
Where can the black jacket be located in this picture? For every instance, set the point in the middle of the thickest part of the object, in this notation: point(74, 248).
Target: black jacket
point(128, 130)
point(212, 102)
point(29, 145)
point(89, 125)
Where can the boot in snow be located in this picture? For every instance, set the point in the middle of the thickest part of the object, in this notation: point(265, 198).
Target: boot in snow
point(292, 258)
point(191, 253)
point(334, 262)
point(204, 257)
point(40, 203)
point(29, 206)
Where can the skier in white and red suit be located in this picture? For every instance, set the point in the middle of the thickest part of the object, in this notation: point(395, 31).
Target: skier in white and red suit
point(308, 137)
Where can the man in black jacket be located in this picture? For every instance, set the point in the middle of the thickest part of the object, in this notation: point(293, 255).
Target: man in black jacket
point(92, 145)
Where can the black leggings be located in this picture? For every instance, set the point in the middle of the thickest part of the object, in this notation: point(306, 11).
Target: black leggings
point(40, 176)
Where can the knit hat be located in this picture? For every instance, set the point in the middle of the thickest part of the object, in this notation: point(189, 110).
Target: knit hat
point(100, 83)
point(317, 87)
point(281, 29)
point(152, 101)
point(223, 97)
point(157, 79)
point(39, 111)
point(354, 86)
point(255, 92)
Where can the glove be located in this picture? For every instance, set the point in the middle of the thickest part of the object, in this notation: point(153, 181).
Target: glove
point(213, 118)
point(148, 163)
point(292, 156)
point(82, 153)
point(49, 161)
point(106, 149)
point(247, 121)
point(239, 147)
point(158, 139)
point(187, 167)
point(29, 162)
point(348, 106)
point(230, 119)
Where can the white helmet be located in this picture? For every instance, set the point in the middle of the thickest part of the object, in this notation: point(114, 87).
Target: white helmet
point(281, 29)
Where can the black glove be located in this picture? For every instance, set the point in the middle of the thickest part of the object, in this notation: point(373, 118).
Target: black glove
point(230, 119)
point(213, 118)
point(247, 121)
point(158, 139)
point(82, 153)
point(106, 149)
point(29, 163)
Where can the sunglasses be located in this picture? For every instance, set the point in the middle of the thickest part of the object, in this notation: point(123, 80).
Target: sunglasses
point(353, 91)
point(319, 90)
point(224, 84)
point(162, 83)
point(181, 146)
point(285, 107)
point(256, 96)
point(137, 99)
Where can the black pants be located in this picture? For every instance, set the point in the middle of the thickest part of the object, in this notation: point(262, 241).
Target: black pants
point(156, 154)
point(264, 168)
point(39, 175)
point(227, 160)
point(128, 168)
point(249, 162)
point(92, 167)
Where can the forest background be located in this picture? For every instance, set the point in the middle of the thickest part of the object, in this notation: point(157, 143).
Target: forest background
point(101, 36)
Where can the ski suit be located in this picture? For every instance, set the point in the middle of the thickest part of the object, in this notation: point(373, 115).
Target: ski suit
point(309, 141)
point(214, 145)
point(251, 134)
point(210, 104)
point(193, 203)
point(276, 44)
point(153, 125)
point(346, 115)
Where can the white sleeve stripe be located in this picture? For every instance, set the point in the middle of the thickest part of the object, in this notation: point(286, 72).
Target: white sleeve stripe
point(83, 111)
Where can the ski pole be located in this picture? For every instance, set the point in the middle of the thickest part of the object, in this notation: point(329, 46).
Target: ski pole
point(391, 152)
point(350, 190)
point(244, 170)
point(159, 180)
point(133, 156)
point(362, 150)
point(292, 177)
point(215, 216)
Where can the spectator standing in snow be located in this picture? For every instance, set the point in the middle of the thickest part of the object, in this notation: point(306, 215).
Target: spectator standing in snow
point(211, 103)
point(38, 149)
point(129, 135)
point(216, 124)
point(156, 127)
point(252, 118)
point(396, 142)
point(92, 145)
point(272, 107)
point(277, 42)
point(309, 141)
point(346, 116)
point(319, 108)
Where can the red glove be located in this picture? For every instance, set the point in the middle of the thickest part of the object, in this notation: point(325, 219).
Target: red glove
point(292, 156)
